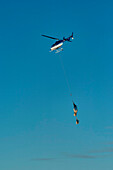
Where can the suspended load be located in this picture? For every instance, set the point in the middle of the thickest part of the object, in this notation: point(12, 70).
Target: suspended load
point(75, 109)
point(77, 121)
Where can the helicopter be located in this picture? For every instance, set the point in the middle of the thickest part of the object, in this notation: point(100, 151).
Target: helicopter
point(59, 42)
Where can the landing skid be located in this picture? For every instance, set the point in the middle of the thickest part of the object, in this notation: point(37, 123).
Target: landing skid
point(59, 50)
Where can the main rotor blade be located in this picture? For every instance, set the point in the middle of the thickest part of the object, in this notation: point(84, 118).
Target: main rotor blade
point(50, 37)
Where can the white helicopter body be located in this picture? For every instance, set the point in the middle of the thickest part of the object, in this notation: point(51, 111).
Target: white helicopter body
point(58, 43)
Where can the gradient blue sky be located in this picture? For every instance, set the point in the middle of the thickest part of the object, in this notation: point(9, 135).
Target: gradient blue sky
point(38, 129)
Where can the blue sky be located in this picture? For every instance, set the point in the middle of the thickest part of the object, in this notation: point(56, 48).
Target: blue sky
point(38, 130)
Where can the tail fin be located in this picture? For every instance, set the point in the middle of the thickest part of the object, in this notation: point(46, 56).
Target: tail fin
point(72, 35)
point(68, 39)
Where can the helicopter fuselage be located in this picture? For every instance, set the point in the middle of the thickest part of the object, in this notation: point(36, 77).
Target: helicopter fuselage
point(56, 45)
point(59, 43)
